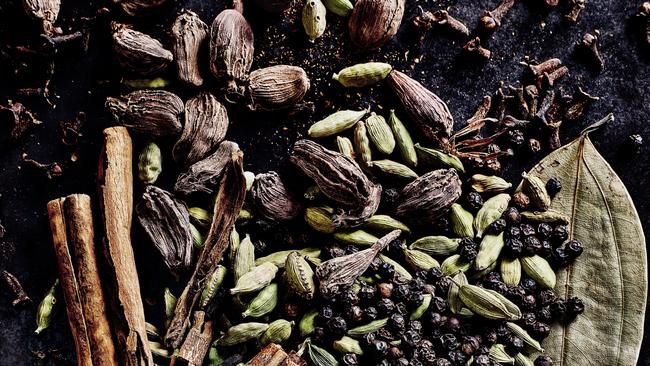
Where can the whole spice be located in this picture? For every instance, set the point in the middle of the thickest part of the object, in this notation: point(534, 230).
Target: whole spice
point(436, 245)
point(45, 11)
point(489, 251)
point(539, 270)
point(46, 309)
point(149, 163)
point(589, 46)
point(189, 33)
point(151, 112)
point(403, 140)
point(257, 278)
point(204, 175)
point(426, 109)
point(345, 147)
point(362, 75)
point(319, 356)
point(473, 48)
point(273, 199)
point(278, 332)
point(461, 221)
point(276, 87)
point(320, 219)
point(314, 19)
point(206, 124)
point(428, 197)
point(263, 303)
point(536, 191)
point(20, 296)
point(489, 184)
point(339, 7)
point(510, 271)
point(139, 53)
point(380, 134)
point(300, 276)
point(279, 258)
point(362, 142)
point(419, 261)
point(574, 10)
point(492, 209)
point(385, 224)
point(492, 19)
point(374, 22)
point(485, 303)
point(138, 7)
point(357, 237)
point(244, 259)
point(454, 264)
point(241, 333)
point(437, 158)
point(347, 345)
point(170, 303)
point(335, 123)
point(392, 169)
point(453, 296)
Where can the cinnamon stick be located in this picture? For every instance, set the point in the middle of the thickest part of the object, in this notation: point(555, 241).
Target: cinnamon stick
point(274, 355)
point(115, 179)
point(197, 342)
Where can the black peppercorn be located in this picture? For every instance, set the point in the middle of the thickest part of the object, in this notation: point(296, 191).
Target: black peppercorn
point(527, 229)
point(426, 355)
point(497, 226)
point(512, 216)
point(415, 362)
point(560, 258)
point(385, 306)
point(337, 326)
point(521, 201)
point(515, 345)
point(544, 314)
point(385, 290)
point(543, 360)
point(348, 298)
point(370, 313)
point(546, 297)
point(573, 249)
point(385, 335)
point(467, 249)
point(435, 319)
point(558, 309)
point(546, 250)
point(438, 304)
point(401, 362)
point(434, 274)
point(443, 285)
point(528, 319)
point(442, 362)
point(415, 299)
point(442, 224)
point(335, 252)
point(490, 337)
point(513, 232)
point(482, 350)
point(350, 359)
point(410, 338)
point(493, 277)
point(395, 353)
point(504, 333)
point(469, 345)
point(516, 137)
point(532, 245)
point(396, 323)
point(351, 249)
point(529, 302)
point(386, 271)
point(482, 360)
point(516, 294)
point(401, 292)
point(326, 312)
point(400, 308)
point(354, 314)
point(574, 307)
point(540, 330)
point(448, 341)
point(417, 284)
point(474, 202)
point(415, 325)
point(367, 293)
point(529, 285)
point(378, 349)
point(453, 324)
point(513, 248)
point(457, 358)
point(544, 231)
point(553, 186)
point(560, 233)
point(368, 339)
point(389, 198)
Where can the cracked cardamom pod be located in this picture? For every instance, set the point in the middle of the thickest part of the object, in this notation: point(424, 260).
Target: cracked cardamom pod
point(300, 276)
point(278, 332)
point(492, 209)
point(539, 270)
point(347, 345)
point(320, 219)
point(308, 323)
point(341, 8)
point(453, 265)
point(436, 245)
point(45, 11)
point(385, 224)
point(189, 33)
point(483, 303)
point(373, 326)
point(45, 309)
point(277, 87)
point(437, 158)
point(357, 237)
point(428, 197)
point(166, 221)
point(241, 333)
point(420, 310)
point(149, 163)
point(374, 22)
point(206, 124)
point(462, 221)
point(335, 123)
point(138, 7)
point(314, 19)
point(231, 52)
point(536, 191)
point(427, 110)
point(273, 200)
point(204, 175)
point(403, 140)
point(263, 303)
point(521, 333)
point(362, 75)
point(498, 354)
point(139, 53)
point(380, 134)
point(399, 270)
point(345, 146)
point(279, 258)
point(489, 251)
point(392, 169)
point(362, 142)
point(453, 295)
point(419, 261)
point(488, 184)
point(212, 285)
point(244, 259)
point(256, 279)
point(511, 271)
point(151, 112)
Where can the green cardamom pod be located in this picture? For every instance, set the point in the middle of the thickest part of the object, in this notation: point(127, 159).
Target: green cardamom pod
point(419, 261)
point(483, 302)
point(233, 244)
point(488, 183)
point(462, 221)
point(300, 276)
point(454, 264)
point(241, 333)
point(435, 158)
point(214, 357)
point(345, 146)
point(320, 219)
point(339, 7)
point(361, 75)
point(420, 310)
point(46, 309)
point(521, 333)
point(398, 267)
point(347, 345)
point(453, 294)
point(521, 360)
point(548, 216)
point(200, 217)
point(357, 237)
point(465, 313)
point(319, 356)
point(488, 251)
point(383, 224)
point(256, 279)
point(278, 332)
point(313, 19)
point(362, 143)
point(380, 133)
point(264, 303)
point(393, 169)
point(498, 354)
point(308, 323)
point(244, 258)
point(152, 332)
point(436, 245)
point(373, 326)
point(249, 177)
point(149, 163)
point(492, 209)
point(335, 123)
point(536, 191)
point(279, 258)
point(539, 270)
point(477, 275)
point(513, 309)
point(212, 285)
point(403, 140)
point(245, 215)
point(197, 237)
point(170, 306)
point(511, 271)
point(157, 349)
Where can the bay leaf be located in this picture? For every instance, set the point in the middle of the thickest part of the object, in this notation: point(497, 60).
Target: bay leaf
point(611, 275)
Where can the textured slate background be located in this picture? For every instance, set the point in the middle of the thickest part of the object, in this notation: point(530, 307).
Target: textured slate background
point(81, 83)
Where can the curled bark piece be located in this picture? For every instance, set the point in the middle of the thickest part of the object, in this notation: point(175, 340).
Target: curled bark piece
point(425, 199)
point(202, 176)
point(272, 199)
point(150, 112)
point(189, 33)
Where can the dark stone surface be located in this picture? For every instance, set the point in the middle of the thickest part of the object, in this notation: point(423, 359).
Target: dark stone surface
point(624, 88)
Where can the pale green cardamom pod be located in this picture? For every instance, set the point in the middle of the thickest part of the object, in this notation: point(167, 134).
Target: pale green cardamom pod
point(436, 245)
point(256, 279)
point(212, 285)
point(521, 333)
point(348, 345)
point(264, 303)
point(433, 157)
point(539, 270)
point(335, 123)
point(477, 275)
point(250, 179)
point(279, 258)
point(521, 360)
point(398, 267)
point(453, 295)
point(489, 183)
point(454, 264)
point(241, 333)
point(339, 7)
point(393, 169)
point(513, 309)
point(383, 224)
point(482, 302)
point(462, 221)
point(320, 219)
point(197, 237)
point(403, 140)
point(345, 146)
point(300, 276)
point(362, 143)
point(319, 356)
point(536, 191)
point(308, 323)
point(492, 209)
point(511, 271)
point(373, 326)
point(488, 251)
point(498, 354)
point(419, 261)
point(244, 258)
point(380, 134)
point(170, 306)
point(155, 83)
point(313, 19)
point(233, 244)
point(361, 75)
point(149, 163)
point(46, 309)
point(157, 349)
point(200, 217)
point(278, 332)
point(549, 217)
point(357, 237)
point(420, 310)
point(245, 215)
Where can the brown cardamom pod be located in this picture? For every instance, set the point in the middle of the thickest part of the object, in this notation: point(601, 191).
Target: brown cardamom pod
point(204, 175)
point(138, 7)
point(272, 199)
point(374, 22)
point(166, 221)
point(277, 87)
point(189, 33)
point(273, 6)
point(231, 51)
point(426, 109)
point(139, 53)
point(45, 11)
point(425, 199)
point(206, 124)
point(150, 112)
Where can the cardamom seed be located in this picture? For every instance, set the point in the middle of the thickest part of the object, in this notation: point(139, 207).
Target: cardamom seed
point(548, 216)
point(489, 251)
point(197, 237)
point(139, 53)
point(384, 224)
point(212, 285)
point(521, 333)
point(277, 87)
point(300, 276)
point(320, 219)
point(357, 237)
point(244, 259)
point(149, 163)
point(521, 360)
point(373, 326)
point(428, 197)
point(461, 221)
point(278, 332)
point(241, 333)
point(492, 209)
point(539, 270)
point(361, 75)
point(46, 308)
point(511, 271)
point(263, 303)
point(319, 356)
point(345, 146)
point(403, 140)
point(362, 143)
point(498, 354)
point(335, 123)
point(380, 133)
point(189, 33)
point(399, 270)
point(308, 323)
point(489, 184)
point(436, 245)
point(155, 113)
point(453, 295)
point(483, 302)
point(436, 158)
point(339, 7)
point(273, 199)
point(536, 191)
point(419, 261)
point(347, 345)
point(256, 279)
point(392, 169)
point(454, 264)
point(279, 258)
point(200, 217)
point(374, 22)
point(170, 305)
point(422, 308)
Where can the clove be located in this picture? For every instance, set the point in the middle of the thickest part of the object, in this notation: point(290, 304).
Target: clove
point(544, 67)
point(547, 115)
point(443, 18)
point(501, 103)
point(532, 98)
point(18, 118)
point(522, 106)
point(589, 47)
point(491, 19)
point(474, 48)
point(643, 14)
point(54, 42)
point(52, 170)
point(575, 7)
point(481, 111)
point(511, 122)
point(14, 285)
point(579, 103)
point(549, 79)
